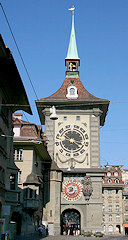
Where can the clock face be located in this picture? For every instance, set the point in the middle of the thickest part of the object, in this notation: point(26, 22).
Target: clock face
point(72, 139)
point(72, 190)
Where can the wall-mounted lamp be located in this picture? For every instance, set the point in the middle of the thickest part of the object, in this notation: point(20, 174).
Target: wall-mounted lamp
point(53, 115)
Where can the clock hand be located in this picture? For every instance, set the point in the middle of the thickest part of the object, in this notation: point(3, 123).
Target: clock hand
point(81, 142)
point(68, 138)
point(64, 137)
point(77, 143)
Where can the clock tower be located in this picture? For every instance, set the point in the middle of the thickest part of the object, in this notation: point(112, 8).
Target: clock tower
point(74, 146)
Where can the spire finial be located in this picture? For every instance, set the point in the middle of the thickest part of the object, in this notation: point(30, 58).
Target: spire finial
point(72, 61)
point(72, 49)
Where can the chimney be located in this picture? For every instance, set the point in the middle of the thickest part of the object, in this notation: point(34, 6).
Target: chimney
point(18, 115)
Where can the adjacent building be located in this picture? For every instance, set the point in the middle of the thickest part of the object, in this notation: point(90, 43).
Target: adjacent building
point(10, 101)
point(125, 199)
point(33, 161)
point(112, 197)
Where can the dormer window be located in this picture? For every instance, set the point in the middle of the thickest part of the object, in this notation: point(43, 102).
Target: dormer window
point(72, 92)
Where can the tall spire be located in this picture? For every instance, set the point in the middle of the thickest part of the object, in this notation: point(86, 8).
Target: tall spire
point(72, 61)
point(72, 49)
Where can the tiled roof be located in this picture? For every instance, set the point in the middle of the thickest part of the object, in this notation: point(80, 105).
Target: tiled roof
point(83, 94)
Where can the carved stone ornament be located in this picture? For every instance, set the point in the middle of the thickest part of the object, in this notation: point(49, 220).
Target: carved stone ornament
point(87, 188)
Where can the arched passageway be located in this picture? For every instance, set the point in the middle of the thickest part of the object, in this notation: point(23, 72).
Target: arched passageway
point(16, 217)
point(70, 222)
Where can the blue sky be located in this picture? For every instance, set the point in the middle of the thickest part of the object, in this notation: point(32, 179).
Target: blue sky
point(42, 30)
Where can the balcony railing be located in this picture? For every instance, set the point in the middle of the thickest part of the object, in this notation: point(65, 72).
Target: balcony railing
point(31, 204)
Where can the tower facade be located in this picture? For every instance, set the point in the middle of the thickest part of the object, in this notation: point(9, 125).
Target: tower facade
point(74, 146)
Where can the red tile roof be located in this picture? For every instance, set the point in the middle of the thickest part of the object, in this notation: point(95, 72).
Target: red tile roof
point(83, 94)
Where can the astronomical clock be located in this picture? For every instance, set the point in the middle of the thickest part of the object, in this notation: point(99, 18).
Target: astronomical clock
point(72, 191)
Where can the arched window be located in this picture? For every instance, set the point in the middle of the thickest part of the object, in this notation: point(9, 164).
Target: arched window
point(72, 91)
point(110, 228)
point(117, 208)
point(109, 208)
point(117, 218)
point(116, 180)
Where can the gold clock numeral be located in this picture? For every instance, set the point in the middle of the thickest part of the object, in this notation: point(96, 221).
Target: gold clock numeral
point(62, 138)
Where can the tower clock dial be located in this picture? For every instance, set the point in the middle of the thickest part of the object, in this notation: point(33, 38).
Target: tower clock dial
point(72, 139)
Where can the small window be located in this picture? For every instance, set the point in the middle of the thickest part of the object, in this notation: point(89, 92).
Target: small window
point(110, 228)
point(103, 208)
point(110, 218)
point(12, 181)
point(65, 118)
point(103, 218)
point(72, 91)
point(18, 154)
point(116, 180)
point(117, 208)
point(30, 193)
point(19, 177)
point(35, 194)
point(25, 193)
point(78, 118)
point(110, 208)
point(50, 213)
point(117, 218)
point(109, 192)
point(109, 180)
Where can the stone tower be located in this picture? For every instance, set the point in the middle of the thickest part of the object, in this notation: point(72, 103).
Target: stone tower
point(74, 145)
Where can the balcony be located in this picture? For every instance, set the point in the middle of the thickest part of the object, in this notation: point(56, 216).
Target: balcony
point(31, 204)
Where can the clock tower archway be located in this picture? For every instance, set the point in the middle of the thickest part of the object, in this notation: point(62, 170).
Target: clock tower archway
point(70, 222)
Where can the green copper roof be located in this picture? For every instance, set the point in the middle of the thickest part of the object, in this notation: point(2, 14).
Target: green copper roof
point(72, 49)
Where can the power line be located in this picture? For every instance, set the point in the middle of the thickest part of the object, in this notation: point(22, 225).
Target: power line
point(18, 50)
point(59, 105)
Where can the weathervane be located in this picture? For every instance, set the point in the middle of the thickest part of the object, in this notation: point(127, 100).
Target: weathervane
point(72, 9)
